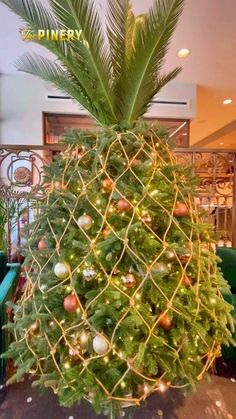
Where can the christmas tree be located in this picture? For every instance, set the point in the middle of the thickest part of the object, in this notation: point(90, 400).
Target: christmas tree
point(123, 293)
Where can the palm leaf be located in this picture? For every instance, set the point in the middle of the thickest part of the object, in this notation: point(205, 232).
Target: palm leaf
point(152, 39)
point(60, 78)
point(38, 17)
point(120, 31)
point(116, 80)
point(94, 52)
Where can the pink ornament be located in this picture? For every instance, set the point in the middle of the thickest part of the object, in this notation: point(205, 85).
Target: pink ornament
point(42, 245)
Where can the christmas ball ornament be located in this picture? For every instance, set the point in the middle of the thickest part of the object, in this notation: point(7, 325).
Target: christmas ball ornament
point(147, 219)
point(62, 270)
point(106, 232)
point(71, 303)
point(135, 163)
point(85, 222)
point(123, 205)
point(165, 322)
point(89, 273)
point(160, 268)
point(58, 185)
point(100, 345)
point(42, 245)
point(181, 210)
point(184, 258)
point(129, 280)
point(170, 254)
point(107, 184)
point(187, 281)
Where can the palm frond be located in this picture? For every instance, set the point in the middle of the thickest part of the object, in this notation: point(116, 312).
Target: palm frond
point(115, 76)
point(152, 39)
point(120, 31)
point(38, 17)
point(120, 27)
point(94, 52)
point(60, 78)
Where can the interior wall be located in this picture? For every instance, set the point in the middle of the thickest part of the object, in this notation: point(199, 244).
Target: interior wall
point(23, 98)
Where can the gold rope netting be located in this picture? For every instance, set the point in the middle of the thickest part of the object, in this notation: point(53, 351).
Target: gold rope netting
point(153, 151)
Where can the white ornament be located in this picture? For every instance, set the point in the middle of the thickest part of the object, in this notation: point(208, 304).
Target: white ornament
point(61, 270)
point(100, 345)
point(89, 273)
point(85, 222)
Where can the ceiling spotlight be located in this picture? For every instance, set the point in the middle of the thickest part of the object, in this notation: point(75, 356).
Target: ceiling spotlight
point(227, 101)
point(183, 52)
point(222, 143)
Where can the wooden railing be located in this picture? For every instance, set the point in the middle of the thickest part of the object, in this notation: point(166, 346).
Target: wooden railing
point(21, 173)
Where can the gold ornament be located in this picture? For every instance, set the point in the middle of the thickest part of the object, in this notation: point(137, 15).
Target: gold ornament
point(85, 222)
point(129, 280)
point(62, 270)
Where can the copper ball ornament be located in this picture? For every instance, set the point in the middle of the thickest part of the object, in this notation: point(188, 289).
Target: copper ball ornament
point(135, 163)
point(85, 222)
point(165, 322)
point(71, 303)
point(187, 281)
point(129, 280)
point(108, 184)
point(123, 205)
point(184, 258)
point(106, 232)
point(181, 210)
point(42, 245)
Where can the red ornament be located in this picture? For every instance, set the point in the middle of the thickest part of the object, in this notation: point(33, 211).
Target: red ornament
point(181, 210)
point(71, 303)
point(108, 184)
point(42, 244)
point(187, 281)
point(123, 205)
point(165, 322)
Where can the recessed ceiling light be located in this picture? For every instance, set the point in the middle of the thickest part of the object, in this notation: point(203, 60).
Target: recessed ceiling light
point(183, 52)
point(227, 101)
point(221, 143)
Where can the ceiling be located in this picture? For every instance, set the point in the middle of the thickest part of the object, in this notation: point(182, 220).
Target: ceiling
point(207, 28)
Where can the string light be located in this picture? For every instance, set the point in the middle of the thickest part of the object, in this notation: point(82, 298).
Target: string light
point(162, 387)
point(146, 388)
point(106, 359)
point(67, 365)
point(84, 338)
point(122, 384)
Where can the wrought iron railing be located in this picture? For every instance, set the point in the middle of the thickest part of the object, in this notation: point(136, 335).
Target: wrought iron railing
point(21, 173)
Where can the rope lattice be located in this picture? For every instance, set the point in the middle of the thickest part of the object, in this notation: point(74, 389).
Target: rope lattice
point(156, 152)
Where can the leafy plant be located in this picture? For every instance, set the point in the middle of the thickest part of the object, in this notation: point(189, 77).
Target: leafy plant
point(114, 77)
